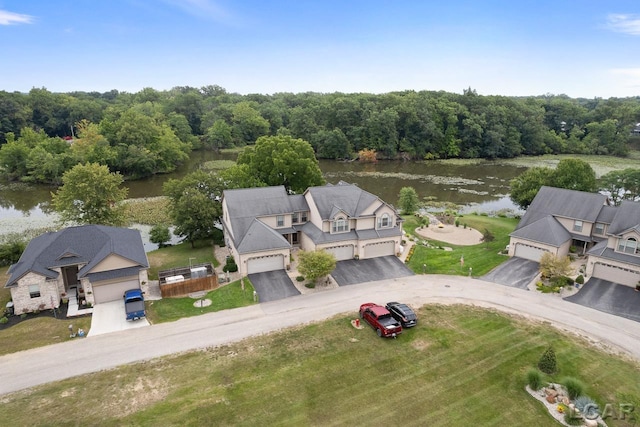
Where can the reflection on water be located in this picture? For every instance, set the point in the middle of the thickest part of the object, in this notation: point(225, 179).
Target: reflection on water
point(481, 187)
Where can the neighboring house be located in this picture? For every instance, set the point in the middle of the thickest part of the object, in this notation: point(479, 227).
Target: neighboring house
point(558, 219)
point(97, 261)
point(262, 225)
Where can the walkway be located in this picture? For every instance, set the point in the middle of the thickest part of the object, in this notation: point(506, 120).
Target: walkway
point(38, 366)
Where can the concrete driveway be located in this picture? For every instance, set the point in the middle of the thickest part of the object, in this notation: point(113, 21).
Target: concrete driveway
point(515, 272)
point(609, 297)
point(110, 317)
point(351, 272)
point(273, 285)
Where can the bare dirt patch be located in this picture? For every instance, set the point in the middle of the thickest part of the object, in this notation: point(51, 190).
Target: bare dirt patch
point(451, 234)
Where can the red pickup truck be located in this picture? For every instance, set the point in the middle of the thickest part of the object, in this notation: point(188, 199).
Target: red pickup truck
point(380, 319)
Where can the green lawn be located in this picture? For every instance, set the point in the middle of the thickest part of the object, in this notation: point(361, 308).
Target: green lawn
point(461, 366)
point(225, 297)
point(481, 258)
point(181, 255)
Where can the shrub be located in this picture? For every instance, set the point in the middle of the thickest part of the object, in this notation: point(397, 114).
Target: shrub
point(573, 249)
point(561, 281)
point(300, 278)
point(547, 362)
point(230, 265)
point(587, 406)
point(534, 379)
point(457, 223)
point(4, 320)
point(573, 419)
point(23, 316)
point(574, 387)
point(580, 279)
point(310, 285)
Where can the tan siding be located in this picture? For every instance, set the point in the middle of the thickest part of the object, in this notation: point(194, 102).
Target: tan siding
point(113, 262)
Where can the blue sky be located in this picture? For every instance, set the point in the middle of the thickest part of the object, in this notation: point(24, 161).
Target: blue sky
point(581, 48)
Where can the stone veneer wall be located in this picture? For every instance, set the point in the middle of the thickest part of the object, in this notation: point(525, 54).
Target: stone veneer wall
point(49, 294)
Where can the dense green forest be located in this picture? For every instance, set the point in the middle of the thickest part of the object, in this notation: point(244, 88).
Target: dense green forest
point(44, 134)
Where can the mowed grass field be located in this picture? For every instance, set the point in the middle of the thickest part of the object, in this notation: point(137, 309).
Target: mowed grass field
point(461, 366)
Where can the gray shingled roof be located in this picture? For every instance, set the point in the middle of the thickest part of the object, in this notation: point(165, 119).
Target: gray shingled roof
point(607, 214)
point(601, 250)
point(247, 204)
point(627, 217)
point(564, 203)
point(260, 237)
point(546, 230)
point(349, 198)
point(88, 244)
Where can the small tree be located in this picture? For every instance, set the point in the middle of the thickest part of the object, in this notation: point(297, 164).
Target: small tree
point(408, 200)
point(314, 265)
point(90, 194)
point(159, 235)
point(547, 362)
point(552, 266)
point(368, 156)
point(487, 237)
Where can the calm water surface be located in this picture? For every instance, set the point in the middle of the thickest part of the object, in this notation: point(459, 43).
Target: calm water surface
point(482, 187)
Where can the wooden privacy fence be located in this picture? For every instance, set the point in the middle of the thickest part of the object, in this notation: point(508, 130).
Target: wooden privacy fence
point(188, 286)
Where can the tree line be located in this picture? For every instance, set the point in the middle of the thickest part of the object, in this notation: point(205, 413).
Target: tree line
point(44, 134)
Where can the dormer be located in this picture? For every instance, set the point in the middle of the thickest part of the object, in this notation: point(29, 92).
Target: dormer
point(340, 223)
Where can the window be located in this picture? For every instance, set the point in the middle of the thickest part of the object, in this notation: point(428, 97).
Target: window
point(340, 225)
point(280, 220)
point(295, 218)
point(34, 291)
point(628, 246)
point(384, 221)
point(577, 226)
point(304, 217)
point(599, 228)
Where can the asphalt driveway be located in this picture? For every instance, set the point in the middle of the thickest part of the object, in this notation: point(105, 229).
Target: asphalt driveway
point(351, 272)
point(110, 317)
point(515, 272)
point(609, 297)
point(273, 285)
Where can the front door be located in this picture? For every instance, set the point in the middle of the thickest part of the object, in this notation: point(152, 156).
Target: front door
point(70, 277)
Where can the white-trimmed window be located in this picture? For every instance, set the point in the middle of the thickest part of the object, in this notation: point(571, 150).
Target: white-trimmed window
point(34, 291)
point(303, 217)
point(340, 225)
point(384, 221)
point(280, 221)
point(295, 218)
point(628, 246)
point(598, 228)
point(577, 225)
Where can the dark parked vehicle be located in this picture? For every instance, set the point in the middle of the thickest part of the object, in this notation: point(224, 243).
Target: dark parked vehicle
point(403, 314)
point(380, 319)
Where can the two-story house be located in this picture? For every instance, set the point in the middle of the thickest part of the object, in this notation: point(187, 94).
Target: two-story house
point(558, 219)
point(263, 225)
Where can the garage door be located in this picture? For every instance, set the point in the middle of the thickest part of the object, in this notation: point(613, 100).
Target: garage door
point(265, 263)
point(112, 291)
point(615, 274)
point(531, 253)
point(374, 250)
point(341, 252)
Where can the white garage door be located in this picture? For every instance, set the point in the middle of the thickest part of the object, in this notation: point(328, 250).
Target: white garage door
point(265, 263)
point(341, 252)
point(374, 250)
point(529, 252)
point(112, 291)
point(615, 274)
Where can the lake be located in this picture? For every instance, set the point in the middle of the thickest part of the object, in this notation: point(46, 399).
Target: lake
point(481, 186)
